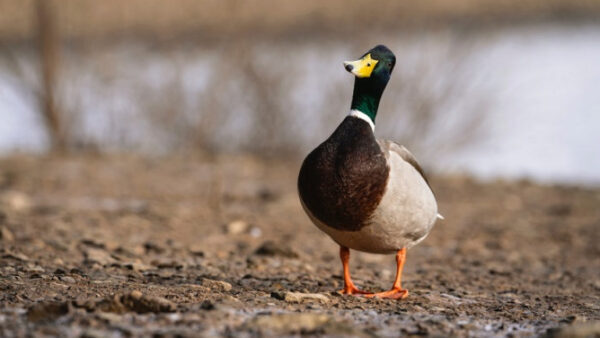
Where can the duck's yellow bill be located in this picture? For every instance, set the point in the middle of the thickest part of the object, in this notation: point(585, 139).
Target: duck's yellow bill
point(361, 68)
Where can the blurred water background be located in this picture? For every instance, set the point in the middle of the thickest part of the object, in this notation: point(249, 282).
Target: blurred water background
point(490, 92)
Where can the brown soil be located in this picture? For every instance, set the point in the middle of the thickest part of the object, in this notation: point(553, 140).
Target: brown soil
point(189, 246)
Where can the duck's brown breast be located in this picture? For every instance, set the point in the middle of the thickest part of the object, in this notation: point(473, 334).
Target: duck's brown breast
point(344, 179)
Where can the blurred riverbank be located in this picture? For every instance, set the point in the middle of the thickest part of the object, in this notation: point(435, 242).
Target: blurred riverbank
point(498, 102)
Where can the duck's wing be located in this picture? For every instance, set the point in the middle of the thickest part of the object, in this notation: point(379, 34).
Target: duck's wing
point(389, 147)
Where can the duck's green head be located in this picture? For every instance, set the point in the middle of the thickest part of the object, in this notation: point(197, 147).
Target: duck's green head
point(372, 71)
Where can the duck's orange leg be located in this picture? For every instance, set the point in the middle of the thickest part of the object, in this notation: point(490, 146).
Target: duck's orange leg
point(349, 288)
point(396, 292)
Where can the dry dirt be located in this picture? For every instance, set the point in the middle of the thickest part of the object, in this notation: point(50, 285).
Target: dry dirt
point(219, 246)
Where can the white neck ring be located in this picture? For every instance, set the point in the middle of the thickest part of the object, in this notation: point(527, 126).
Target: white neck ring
point(362, 116)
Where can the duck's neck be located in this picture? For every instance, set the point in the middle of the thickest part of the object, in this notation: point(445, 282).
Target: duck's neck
point(366, 96)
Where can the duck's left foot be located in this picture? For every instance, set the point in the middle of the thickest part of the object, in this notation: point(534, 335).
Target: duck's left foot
point(352, 290)
point(395, 293)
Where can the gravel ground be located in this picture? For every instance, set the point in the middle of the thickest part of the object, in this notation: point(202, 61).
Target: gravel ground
point(219, 246)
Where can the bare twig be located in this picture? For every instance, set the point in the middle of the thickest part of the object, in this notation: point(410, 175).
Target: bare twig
point(48, 52)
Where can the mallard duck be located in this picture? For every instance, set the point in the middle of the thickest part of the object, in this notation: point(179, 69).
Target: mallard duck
point(367, 194)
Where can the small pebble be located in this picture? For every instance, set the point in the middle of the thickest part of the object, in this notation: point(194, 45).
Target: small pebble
point(136, 294)
point(68, 279)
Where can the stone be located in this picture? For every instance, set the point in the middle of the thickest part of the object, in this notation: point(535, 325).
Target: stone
point(33, 268)
point(236, 227)
point(16, 255)
point(136, 301)
point(109, 317)
point(290, 322)
point(136, 294)
point(6, 235)
point(167, 263)
point(137, 266)
point(588, 329)
point(152, 247)
point(95, 255)
point(216, 285)
point(42, 312)
point(196, 287)
point(270, 248)
point(68, 279)
point(17, 201)
point(146, 304)
point(255, 232)
point(85, 303)
point(197, 250)
point(299, 297)
point(207, 305)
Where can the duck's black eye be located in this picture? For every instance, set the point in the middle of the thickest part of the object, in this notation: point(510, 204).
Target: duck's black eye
point(368, 65)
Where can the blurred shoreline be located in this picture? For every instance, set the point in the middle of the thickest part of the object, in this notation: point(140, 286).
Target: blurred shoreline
point(493, 102)
point(488, 88)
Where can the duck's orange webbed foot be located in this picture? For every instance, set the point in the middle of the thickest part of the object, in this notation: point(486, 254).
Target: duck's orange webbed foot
point(353, 290)
point(390, 294)
point(396, 292)
point(349, 288)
